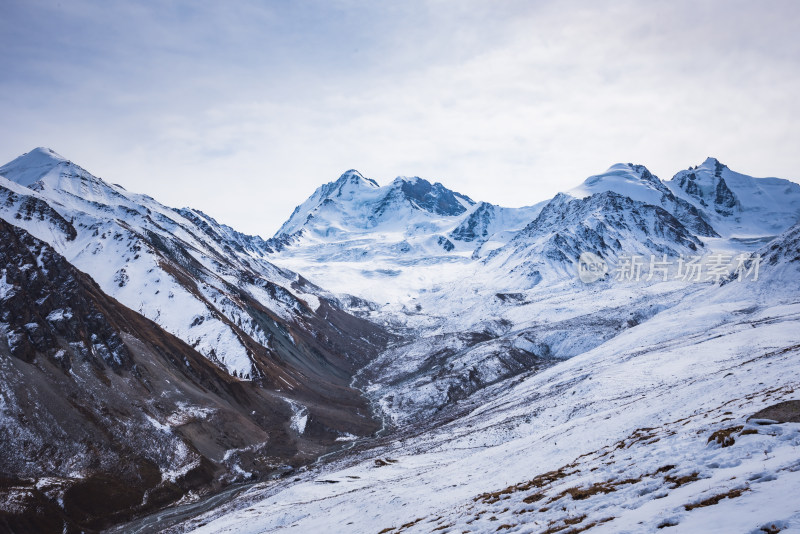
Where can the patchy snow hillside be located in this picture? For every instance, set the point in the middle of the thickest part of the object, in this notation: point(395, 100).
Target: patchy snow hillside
point(687, 421)
point(387, 244)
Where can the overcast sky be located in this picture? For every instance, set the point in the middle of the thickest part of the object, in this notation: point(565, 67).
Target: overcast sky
point(241, 109)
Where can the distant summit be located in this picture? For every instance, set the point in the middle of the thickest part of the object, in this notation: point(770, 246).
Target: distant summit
point(356, 203)
point(30, 167)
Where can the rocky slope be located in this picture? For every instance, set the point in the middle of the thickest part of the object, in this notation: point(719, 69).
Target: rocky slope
point(155, 347)
point(104, 414)
point(201, 281)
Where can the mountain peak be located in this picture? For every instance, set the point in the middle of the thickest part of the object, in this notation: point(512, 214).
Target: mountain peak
point(634, 181)
point(354, 177)
point(711, 162)
point(45, 153)
point(30, 167)
point(714, 165)
point(434, 198)
point(632, 171)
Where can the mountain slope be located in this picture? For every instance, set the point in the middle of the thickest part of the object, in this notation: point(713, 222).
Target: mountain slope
point(103, 414)
point(606, 224)
point(200, 280)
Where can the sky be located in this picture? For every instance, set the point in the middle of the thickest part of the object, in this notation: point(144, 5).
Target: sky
point(242, 108)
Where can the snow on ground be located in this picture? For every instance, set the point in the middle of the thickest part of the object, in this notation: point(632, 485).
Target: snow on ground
point(299, 416)
point(647, 431)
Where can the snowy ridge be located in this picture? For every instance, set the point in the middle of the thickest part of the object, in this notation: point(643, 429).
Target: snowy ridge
point(607, 224)
point(639, 184)
point(737, 205)
point(200, 280)
point(386, 243)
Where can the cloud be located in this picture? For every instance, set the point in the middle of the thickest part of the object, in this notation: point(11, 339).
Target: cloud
point(242, 109)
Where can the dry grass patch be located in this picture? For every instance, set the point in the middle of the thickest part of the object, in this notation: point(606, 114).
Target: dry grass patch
point(677, 482)
point(711, 501)
point(563, 524)
point(533, 498)
point(410, 524)
point(587, 526)
point(537, 482)
point(579, 494)
point(725, 436)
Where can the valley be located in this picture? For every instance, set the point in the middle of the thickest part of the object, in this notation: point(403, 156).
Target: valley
point(403, 358)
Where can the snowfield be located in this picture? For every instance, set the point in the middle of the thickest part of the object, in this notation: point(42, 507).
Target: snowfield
point(526, 401)
point(649, 430)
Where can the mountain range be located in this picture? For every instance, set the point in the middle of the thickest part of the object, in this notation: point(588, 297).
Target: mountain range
point(157, 356)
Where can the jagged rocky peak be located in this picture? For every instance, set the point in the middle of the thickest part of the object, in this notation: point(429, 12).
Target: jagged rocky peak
point(354, 202)
point(706, 182)
point(713, 164)
point(476, 225)
point(349, 183)
point(435, 198)
point(736, 204)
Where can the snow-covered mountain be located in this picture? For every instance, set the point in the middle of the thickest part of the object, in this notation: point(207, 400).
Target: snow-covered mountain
point(488, 318)
point(200, 280)
point(388, 243)
point(104, 415)
point(393, 244)
point(736, 205)
point(268, 339)
point(510, 395)
point(354, 203)
point(687, 419)
point(606, 224)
